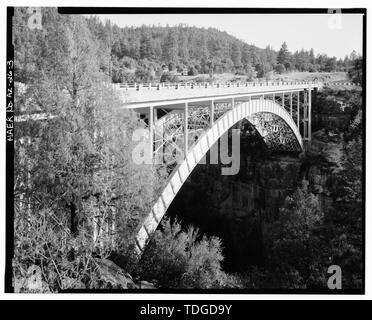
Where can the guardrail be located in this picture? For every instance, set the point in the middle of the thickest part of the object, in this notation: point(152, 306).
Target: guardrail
point(341, 84)
point(192, 85)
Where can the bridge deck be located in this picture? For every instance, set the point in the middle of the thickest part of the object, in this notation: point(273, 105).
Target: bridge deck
point(176, 96)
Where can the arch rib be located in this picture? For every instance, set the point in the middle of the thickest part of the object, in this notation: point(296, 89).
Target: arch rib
point(199, 150)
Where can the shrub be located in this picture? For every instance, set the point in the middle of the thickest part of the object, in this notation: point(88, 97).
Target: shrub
point(168, 77)
point(184, 259)
point(120, 76)
point(280, 68)
point(269, 75)
point(143, 74)
point(250, 72)
point(45, 243)
point(192, 71)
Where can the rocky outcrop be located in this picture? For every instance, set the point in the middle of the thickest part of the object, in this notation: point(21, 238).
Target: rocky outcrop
point(113, 274)
point(118, 278)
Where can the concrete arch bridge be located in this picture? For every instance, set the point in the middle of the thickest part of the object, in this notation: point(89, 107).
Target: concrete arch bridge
point(185, 121)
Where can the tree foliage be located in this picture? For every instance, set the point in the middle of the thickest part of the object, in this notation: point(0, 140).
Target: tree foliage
point(356, 71)
point(206, 50)
point(75, 181)
point(149, 48)
point(190, 259)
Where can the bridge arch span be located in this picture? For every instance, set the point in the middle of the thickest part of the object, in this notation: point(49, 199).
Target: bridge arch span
point(198, 151)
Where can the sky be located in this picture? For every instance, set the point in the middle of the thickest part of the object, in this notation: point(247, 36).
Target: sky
point(335, 35)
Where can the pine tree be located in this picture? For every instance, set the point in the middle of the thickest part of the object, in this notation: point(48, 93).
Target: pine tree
point(170, 47)
point(183, 50)
point(145, 46)
point(284, 56)
point(246, 55)
point(236, 55)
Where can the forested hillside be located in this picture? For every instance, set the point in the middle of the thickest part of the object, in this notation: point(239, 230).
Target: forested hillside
point(140, 54)
point(151, 49)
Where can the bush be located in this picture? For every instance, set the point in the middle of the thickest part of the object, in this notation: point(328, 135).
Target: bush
point(192, 71)
point(184, 259)
point(250, 72)
point(168, 77)
point(269, 75)
point(120, 76)
point(45, 243)
point(143, 74)
point(280, 68)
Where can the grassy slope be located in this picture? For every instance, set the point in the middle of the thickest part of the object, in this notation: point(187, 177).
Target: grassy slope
point(309, 76)
point(292, 76)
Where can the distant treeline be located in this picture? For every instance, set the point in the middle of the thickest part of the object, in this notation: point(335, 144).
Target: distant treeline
point(153, 53)
point(149, 50)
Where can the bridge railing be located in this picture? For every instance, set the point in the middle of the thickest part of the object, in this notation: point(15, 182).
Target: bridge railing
point(341, 84)
point(193, 85)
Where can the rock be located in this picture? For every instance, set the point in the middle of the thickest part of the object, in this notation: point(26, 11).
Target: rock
point(113, 274)
point(146, 285)
point(129, 276)
point(32, 283)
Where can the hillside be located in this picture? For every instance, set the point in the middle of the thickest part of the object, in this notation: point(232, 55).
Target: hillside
point(156, 53)
point(145, 53)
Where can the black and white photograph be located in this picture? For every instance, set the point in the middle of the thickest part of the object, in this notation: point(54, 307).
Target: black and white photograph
point(185, 150)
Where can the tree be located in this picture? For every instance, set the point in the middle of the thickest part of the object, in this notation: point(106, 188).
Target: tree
point(143, 74)
point(321, 62)
point(284, 56)
point(77, 175)
point(270, 55)
point(246, 55)
point(262, 69)
point(190, 260)
point(250, 72)
point(353, 55)
point(355, 73)
point(146, 46)
point(293, 246)
point(312, 56)
point(331, 64)
point(192, 71)
point(279, 68)
point(183, 50)
point(236, 55)
point(170, 47)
